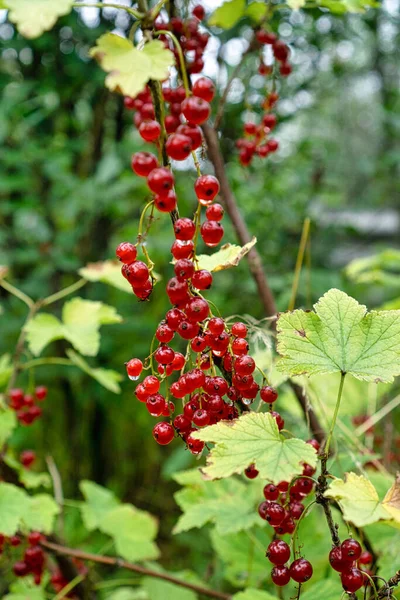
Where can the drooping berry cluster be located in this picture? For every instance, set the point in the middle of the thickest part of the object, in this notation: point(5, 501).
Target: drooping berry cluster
point(33, 559)
point(256, 140)
point(347, 559)
point(280, 52)
point(300, 570)
point(25, 404)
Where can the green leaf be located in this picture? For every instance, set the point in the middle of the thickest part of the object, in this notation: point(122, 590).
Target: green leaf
point(5, 369)
point(133, 531)
point(340, 336)
point(235, 551)
point(32, 480)
point(13, 504)
point(81, 323)
point(127, 593)
point(98, 502)
point(33, 17)
point(41, 512)
point(227, 15)
point(216, 502)
point(252, 594)
point(379, 269)
point(228, 256)
point(106, 377)
point(296, 4)
point(162, 590)
point(109, 272)
point(256, 11)
point(360, 502)
point(8, 422)
point(25, 589)
point(41, 330)
point(254, 438)
point(329, 589)
point(130, 68)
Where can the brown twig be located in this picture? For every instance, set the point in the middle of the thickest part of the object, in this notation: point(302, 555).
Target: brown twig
point(386, 590)
point(122, 564)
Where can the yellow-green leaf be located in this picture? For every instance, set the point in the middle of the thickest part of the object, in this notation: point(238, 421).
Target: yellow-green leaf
point(254, 438)
point(41, 331)
point(296, 4)
point(128, 68)
point(227, 15)
point(33, 17)
point(98, 502)
point(5, 369)
point(340, 336)
point(108, 271)
point(8, 422)
point(256, 11)
point(360, 502)
point(106, 377)
point(228, 256)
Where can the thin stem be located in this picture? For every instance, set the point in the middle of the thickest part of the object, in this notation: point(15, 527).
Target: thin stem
point(335, 414)
point(65, 292)
point(299, 262)
point(69, 587)
point(155, 11)
point(19, 348)
point(182, 64)
point(110, 583)
point(131, 11)
point(40, 362)
point(16, 292)
point(122, 564)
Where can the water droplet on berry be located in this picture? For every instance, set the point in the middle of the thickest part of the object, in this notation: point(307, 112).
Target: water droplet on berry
point(133, 377)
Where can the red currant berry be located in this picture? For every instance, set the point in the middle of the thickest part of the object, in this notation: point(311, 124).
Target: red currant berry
point(280, 575)
point(240, 347)
point(272, 145)
point(285, 69)
point(196, 110)
point(301, 570)
point(279, 419)
point(34, 538)
point(314, 443)
point(195, 446)
point(268, 394)
point(15, 540)
point(206, 188)
point(202, 279)
point(201, 418)
point(239, 329)
point(280, 50)
point(269, 120)
point(182, 424)
point(182, 249)
point(193, 132)
point(212, 233)
point(174, 317)
point(133, 368)
point(275, 513)
point(150, 130)
point(164, 355)
point(166, 203)
point(265, 37)
point(143, 163)
point(177, 290)
point(204, 88)
point(296, 509)
point(126, 252)
point(199, 12)
point(215, 212)
point(216, 325)
point(163, 433)
point(251, 472)
point(20, 568)
point(352, 580)
point(184, 268)
point(171, 123)
point(244, 365)
point(337, 561)
point(278, 552)
point(16, 398)
point(271, 492)
point(27, 458)
point(151, 384)
point(141, 393)
point(351, 549)
point(198, 343)
point(164, 334)
point(155, 404)
point(188, 330)
point(215, 403)
point(184, 229)
point(366, 558)
point(197, 310)
point(178, 146)
point(160, 181)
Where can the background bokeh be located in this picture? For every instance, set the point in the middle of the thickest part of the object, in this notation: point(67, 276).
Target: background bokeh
point(68, 197)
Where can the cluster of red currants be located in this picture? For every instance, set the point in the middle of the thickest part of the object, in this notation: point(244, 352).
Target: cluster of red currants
point(280, 52)
point(347, 560)
point(25, 404)
point(300, 570)
point(256, 140)
point(33, 559)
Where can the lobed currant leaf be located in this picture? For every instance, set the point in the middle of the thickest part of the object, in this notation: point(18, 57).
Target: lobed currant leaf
point(257, 11)
point(360, 502)
point(328, 589)
point(25, 588)
point(227, 15)
point(340, 336)
point(18, 509)
point(253, 594)
point(33, 17)
point(128, 68)
point(107, 271)
point(29, 479)
point(161, 590)
point(228, 256)
point(98, 502)
point(108, 378)
point(41, 512)
point(8, 422)
point(254, 438)
point(216, 502)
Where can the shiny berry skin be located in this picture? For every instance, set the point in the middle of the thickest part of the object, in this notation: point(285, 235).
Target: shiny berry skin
point(314, 443)
point(271, 492)
point(193, 132)
point(196, 110)
point(126, 252)
point(279, 419)
point(280, 50)
point(34, 538)
point(171, 123)
point(160, 181)
point(268, 394)
point(278, 552)
point(136, 273)
point(184, 229)
point(198, 343)
point(352, 580)
point(20, 568)
point(269, 120)
point(166, 203)
point(182, 424)
point(206, 188)
point(201, 418)
point(366, 558)
point(244, 365)
point(351, 549)
point(251, 472)
point(151, 384)
point(141, 393)
point(195, 446)
point(212, 233)
point(215, 212)
point(240, 347)
point(197, 310)
point(143, 163)
point(133, 368)
point(184, 268)
point(337, 562)
point(178, 146)
point(34, 558)
point(164, 355)
point(16, 398)
point(199, 12)
point(204, 88)
point(188, 330)
point(296, 509)
point(182, 249)
point(150, 130)
point(264, 37)
point(177, 290)
point(174, 317)
point(202, 280)
point(301, 570)
point(280, 575)
point(27, 458)
point(215, 403)
point(164, 334)
point(15, 540)
point(272, 145)
point(155, 404)
point(163, 433)
point(239, 329)
point(216, 325)
point(275, 514)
